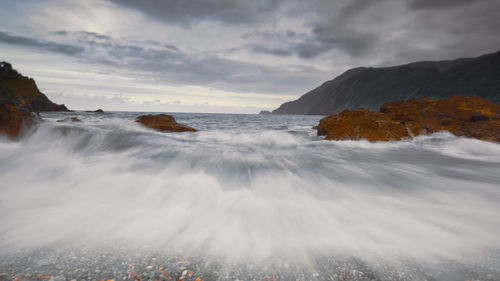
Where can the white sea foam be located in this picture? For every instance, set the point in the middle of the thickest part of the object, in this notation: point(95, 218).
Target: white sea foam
point(248, 187)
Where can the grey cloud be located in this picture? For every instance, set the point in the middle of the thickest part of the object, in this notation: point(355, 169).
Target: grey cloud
point(168, 64)
point(262, 35)
point(40, 44)
point(92, 36)
point(356, 7)
point(337, 25)
point(85, 36)
point(291, 33)
point(60, 32)
point(356, 28)
point(352, 42)
point(272, 35)
point(184, 12)
point(393, 31)
point(171, 47)
point(324, 39)
point(445, 30)
point(438, 4)
point(271, 51)
point(347, 33)
point(311, 50)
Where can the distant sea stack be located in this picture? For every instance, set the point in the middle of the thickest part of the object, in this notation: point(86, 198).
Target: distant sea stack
point(21, 91)
point(370, 87)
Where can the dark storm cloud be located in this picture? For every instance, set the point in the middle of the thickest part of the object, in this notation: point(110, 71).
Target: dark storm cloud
point(355, 28)
point(438, 4)
point(352, 42)
point(356, 7)
point(394, 31)
point(446, 30)
point(40, 44)
point(186, 12)
point(335, 27)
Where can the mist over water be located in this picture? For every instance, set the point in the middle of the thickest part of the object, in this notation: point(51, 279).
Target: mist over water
point(249, 187)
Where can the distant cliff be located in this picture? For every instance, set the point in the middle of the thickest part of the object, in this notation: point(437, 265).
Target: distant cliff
point(22, 91)
point(372, 87)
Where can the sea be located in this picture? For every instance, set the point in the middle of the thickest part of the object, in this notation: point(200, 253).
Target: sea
point(247, 197)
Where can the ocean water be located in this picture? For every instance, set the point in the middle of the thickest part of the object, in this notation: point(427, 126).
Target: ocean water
point(248, 197)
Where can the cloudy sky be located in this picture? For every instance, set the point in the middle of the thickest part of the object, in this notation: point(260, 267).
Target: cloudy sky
point(239, 56)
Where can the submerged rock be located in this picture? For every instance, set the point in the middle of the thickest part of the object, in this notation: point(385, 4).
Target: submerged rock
point(96, 111)
point(473, 117)
point(70, 119)
point(164, 123)
point(13, 118)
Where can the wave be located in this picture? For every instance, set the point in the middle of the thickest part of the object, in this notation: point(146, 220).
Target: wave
point(245, 193)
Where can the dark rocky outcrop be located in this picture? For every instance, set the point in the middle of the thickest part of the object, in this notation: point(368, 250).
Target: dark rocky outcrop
point(13, 119)
point(265, 112)
point(371, 87)
point(22, 91)
point(163, 122)
point(462, 116)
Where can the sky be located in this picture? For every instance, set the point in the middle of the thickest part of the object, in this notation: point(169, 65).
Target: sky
point(235, 56)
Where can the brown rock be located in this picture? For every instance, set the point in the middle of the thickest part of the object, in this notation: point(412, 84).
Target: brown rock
point(463, 116)
point(163, 122)
point(13, 118)
point(450, 114)
point(361, 124)
point(484, 129)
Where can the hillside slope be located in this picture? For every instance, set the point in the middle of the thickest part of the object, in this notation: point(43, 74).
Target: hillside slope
point(22, 91)
point(372, 87)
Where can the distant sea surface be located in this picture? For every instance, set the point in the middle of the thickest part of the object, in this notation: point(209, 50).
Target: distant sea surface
point(247, 197)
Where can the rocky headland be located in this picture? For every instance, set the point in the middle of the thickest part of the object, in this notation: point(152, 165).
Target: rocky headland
point(95, 111)
point(473, 117)
point(370, 87)
point(23, 92)
point(163, 123)
point(20, 101)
